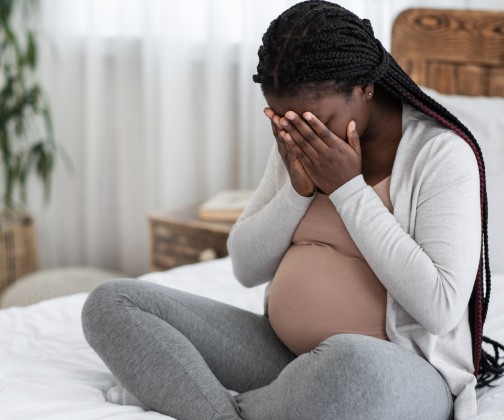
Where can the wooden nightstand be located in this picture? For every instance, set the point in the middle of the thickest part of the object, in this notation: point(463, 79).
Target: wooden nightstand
point(178, 238)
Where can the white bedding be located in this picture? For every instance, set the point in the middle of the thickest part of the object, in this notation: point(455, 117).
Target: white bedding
point(47, 370)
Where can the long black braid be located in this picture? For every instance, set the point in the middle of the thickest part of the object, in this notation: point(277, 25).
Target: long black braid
point(317, 45)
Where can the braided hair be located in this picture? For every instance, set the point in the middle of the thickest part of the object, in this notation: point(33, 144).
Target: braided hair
point(316, 47)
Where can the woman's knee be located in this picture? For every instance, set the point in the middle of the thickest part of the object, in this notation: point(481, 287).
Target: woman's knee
point(350, 361)
point(393, 381)
point(101, 304)
point(357, 354)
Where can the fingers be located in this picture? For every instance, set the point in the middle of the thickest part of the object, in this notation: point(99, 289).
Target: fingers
point(284, 140)
point(319, 129)
point(279, 122)
point(295, 151)
point(269, 113)
point(299, 132)
point(277, 129)
point(274, 118)
point(353, 137)
point(309, 131)
point(326, 136)
point(277, 133)
point(282, 148)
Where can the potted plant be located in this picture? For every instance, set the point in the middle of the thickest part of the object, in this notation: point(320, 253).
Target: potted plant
point(26, 139)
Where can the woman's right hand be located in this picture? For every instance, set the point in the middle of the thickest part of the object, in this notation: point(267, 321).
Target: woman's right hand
point(300, 180)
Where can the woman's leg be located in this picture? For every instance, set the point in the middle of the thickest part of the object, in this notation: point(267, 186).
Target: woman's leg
point(179, 352)
point(352, 377)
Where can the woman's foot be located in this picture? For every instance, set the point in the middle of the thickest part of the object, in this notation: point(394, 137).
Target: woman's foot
point(120, 395)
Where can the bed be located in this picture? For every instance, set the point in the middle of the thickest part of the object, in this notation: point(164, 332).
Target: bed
point(47, 370)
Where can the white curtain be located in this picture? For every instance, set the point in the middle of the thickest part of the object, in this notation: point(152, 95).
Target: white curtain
point(154, 102)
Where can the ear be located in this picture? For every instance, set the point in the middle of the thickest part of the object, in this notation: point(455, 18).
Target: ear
point(368, 91)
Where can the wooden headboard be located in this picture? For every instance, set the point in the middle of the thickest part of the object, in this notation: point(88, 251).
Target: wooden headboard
point(452, 51)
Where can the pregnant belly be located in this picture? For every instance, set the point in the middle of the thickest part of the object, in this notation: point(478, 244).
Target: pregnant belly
point(318, 292)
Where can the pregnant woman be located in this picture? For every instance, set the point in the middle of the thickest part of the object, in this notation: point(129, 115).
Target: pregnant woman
point(369, 225)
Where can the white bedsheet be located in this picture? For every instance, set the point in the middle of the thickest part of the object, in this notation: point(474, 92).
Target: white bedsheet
point(47, 370)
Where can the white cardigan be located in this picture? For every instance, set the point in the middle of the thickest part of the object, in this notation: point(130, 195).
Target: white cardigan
point(426, 253)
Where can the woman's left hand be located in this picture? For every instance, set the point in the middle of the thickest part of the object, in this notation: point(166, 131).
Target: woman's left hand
point(329, 160)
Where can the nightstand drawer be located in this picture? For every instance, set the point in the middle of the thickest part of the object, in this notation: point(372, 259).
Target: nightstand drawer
point(176, 242)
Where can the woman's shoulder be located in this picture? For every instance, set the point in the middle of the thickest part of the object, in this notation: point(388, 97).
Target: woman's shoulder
point(421, 126)
point(423, 133)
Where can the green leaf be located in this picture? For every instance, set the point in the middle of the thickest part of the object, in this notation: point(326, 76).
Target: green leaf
point(66, 159)
point(31, 50)
point(48, 123)
point(23, 106)
point(44, 167)
point(19, 126)
point(6, 149)
point(13, 39)
point(5, 10)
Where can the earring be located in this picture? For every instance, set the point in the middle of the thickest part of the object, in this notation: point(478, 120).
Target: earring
point(370, 93)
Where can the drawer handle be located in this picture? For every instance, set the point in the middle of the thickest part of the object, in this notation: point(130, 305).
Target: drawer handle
point(207, 255)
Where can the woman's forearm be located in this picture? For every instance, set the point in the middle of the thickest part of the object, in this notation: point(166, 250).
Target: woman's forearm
point(258, 241)
point(431, 276)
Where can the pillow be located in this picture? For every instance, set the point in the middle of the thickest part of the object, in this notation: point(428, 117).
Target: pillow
point(484, 116)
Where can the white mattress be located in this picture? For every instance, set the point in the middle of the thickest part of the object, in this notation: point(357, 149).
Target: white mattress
point(47, 370)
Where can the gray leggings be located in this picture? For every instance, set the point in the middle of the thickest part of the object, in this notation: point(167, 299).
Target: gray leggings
point(179, 353)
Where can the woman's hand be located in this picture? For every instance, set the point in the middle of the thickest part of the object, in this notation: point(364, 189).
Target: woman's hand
point(327, 159)
point(300, 180)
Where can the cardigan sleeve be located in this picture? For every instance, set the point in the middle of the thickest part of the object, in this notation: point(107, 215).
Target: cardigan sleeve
point(430, 273)
point(263, 233)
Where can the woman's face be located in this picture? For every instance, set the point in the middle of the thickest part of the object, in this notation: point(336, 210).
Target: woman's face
point(335, 111)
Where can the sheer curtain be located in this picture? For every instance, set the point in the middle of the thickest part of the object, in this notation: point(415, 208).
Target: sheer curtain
point(154, 102)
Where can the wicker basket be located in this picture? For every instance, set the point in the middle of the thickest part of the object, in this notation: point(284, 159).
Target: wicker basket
point(18, 250)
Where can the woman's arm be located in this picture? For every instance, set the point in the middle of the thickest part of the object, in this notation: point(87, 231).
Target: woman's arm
point(262, 234)
point(432, 275)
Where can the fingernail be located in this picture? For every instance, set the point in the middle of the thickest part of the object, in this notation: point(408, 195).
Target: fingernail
point(289, 115)
point(307, 116)
point(284, 123)
point(352, 125)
